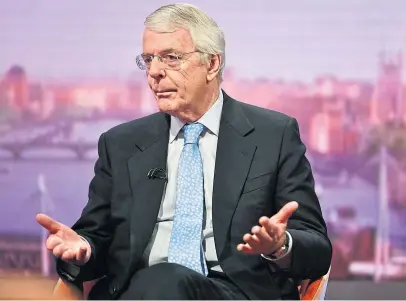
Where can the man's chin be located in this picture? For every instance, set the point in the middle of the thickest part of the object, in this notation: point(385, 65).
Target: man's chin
point(166, 106)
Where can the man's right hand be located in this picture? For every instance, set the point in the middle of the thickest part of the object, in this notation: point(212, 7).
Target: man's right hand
point(64, 243)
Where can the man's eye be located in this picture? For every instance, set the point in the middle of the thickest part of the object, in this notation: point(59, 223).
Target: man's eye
point(172, 57)
point(147, 59)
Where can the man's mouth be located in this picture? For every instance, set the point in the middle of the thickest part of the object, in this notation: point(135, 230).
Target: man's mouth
point(164, 93)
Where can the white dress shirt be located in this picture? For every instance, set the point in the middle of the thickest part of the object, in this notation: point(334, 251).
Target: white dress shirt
point(157, 251)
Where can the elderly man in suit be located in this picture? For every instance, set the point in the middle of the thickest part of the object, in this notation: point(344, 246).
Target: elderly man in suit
point(210, 198)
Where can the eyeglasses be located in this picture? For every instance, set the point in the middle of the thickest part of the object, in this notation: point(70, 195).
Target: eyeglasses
point(169, 60)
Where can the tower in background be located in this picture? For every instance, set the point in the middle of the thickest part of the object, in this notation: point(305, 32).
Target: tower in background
point(388, 97)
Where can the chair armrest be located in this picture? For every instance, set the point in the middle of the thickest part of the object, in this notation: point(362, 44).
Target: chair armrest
point(314, 290)
point(67, 291)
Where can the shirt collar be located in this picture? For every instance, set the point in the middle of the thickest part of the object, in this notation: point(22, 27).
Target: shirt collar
point(211, 119)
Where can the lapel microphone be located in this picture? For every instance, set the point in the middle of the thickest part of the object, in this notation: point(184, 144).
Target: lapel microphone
point(157, 173)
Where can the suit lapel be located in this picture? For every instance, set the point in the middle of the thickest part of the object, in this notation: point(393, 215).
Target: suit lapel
point(233, 161)
point(147, 193)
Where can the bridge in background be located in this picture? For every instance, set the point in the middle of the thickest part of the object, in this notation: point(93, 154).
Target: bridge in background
point(76, 136)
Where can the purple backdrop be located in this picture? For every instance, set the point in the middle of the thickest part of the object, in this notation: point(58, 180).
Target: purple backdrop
point(68, 73)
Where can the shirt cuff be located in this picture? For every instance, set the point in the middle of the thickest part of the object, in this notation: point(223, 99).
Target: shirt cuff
point(284, 255)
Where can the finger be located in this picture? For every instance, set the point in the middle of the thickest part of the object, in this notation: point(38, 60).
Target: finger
point(52, 242)
point(284, 214)
point(59, 250)
point(48, 223)
point(255, 244)
point(68, 255)
point(275, 231)
point(263, 220)
point(245, 248)
point(80, 256)
point(269, 224)
point(251, 239)
point(264, 236)
point(255, 230)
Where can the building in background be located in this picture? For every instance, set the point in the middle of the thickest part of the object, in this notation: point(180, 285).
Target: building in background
point(388, 98)
point(15, 88)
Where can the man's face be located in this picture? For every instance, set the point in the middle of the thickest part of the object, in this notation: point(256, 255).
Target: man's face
point(176, 90)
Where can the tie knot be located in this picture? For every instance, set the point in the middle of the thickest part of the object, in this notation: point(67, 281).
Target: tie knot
point(192, 132)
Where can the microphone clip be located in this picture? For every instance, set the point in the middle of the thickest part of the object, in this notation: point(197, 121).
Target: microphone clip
point(157, 173)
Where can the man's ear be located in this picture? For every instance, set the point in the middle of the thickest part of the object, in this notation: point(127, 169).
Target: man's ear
point(213, 67)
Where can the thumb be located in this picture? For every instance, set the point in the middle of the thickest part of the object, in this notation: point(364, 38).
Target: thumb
point(284, 214)
point(48, 223)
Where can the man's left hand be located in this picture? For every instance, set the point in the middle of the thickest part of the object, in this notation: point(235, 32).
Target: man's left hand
point(271, 235)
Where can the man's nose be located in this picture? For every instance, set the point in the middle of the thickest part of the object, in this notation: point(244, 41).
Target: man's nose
point(156, 69)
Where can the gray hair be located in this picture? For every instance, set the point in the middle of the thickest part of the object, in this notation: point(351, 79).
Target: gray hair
point(206, 35)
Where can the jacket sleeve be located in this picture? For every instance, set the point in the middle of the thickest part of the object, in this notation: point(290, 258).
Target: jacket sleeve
point(94, 223)
point(311, 249)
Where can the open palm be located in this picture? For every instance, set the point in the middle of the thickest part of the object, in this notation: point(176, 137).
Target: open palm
point(64, 242)
point(270, 235)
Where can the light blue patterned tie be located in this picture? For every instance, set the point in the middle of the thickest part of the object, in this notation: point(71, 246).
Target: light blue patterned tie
point(185, 247)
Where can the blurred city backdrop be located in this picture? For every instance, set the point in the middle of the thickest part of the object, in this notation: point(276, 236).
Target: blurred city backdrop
point(68, 73)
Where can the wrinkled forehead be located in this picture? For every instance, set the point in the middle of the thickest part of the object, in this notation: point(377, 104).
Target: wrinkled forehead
point(158, 42)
